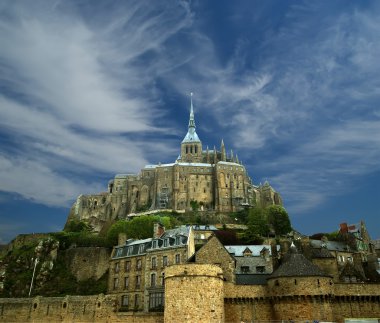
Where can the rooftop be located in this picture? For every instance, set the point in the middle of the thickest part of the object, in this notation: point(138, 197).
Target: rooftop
point(296, 265)
point(237, 251)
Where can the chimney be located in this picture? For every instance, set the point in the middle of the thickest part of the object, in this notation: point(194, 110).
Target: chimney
point(122, 238)
point(158, 230)
point(343, 227)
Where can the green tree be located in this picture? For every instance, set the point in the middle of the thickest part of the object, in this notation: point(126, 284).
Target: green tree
point(194, 205)
point(258, 222)
point(278, 218)
point(77, 226)
point(137, 228)
point(113, 232)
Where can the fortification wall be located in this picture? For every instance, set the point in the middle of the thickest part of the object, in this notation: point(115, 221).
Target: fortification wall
point(356, 300)
point(358, 289)
point(244, 291)
point(97, 308)
point(81, 262)
point(290, 286)
point(310, 308)
point(247, 310)
point(194, 293)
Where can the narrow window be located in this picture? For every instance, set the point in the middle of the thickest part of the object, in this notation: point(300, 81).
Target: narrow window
point(154, 262)
point(177, 258)
point(153, 280)
point(164, 261)
point(138, 264)
point(117, 267)
point(137, 301)
point(126, 282)
point(127, 266)
point(138, 282)
point(115, 283)
point(125, 300)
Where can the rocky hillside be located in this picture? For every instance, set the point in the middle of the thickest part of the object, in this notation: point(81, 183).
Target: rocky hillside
point(60, 264)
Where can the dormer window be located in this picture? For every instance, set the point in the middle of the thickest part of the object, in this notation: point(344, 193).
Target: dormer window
point(154, 244)
point(177, 240)
point(119, 252)
point(141, 248)
point(165, 242)
point(247, 252)
point(130, 250)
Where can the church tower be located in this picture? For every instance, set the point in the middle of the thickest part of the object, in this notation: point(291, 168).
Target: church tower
point(191, 146)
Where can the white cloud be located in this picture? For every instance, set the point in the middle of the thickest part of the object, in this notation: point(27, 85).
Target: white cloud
point(76, 97)
point(316, 104)
point(39, 183)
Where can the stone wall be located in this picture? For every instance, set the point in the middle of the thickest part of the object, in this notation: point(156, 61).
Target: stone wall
point(356, 300)
point(214, 253)
point(81, 262)
point(98, 308)
point(328, 266)
point(290, 286)
point(197, 293)
point(194, 293)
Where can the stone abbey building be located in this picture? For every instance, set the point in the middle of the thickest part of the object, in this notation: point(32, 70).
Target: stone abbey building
point(218, 181)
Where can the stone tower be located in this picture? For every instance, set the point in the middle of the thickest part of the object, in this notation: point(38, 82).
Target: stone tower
point(194, 293)
point(299, 279)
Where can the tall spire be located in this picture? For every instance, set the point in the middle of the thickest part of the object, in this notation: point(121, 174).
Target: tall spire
point(191, 135)
point(191, 119)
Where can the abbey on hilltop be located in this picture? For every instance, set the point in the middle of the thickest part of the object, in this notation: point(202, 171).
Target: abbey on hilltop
point(216, 180)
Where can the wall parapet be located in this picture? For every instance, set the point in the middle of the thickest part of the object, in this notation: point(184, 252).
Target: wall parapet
point(357, 289)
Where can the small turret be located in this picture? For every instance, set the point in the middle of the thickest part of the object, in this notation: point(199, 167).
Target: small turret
point(223, 151)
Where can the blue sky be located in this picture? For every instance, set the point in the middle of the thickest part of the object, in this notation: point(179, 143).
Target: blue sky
point(89, 89)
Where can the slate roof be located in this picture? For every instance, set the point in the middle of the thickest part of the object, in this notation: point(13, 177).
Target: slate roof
point(191, 136)
point(330, 245)
point(237, 251)
point(296, 265)
point(250, 279)
point(198, 227)
point(174, 238)
point(321, 253)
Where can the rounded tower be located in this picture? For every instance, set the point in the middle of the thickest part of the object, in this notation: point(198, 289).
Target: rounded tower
point(194, 293)
point(300, 290)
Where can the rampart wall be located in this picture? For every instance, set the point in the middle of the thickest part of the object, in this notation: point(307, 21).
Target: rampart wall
point(97, 308)
point(197, 293)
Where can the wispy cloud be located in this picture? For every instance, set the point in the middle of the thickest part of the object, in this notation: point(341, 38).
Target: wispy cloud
point(80, 92)
point(308, 114)
point(75, 95)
